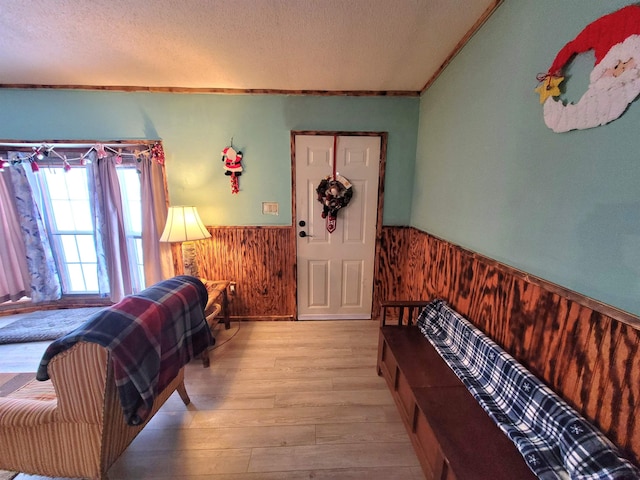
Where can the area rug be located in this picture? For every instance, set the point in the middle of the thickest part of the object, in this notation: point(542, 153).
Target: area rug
point(44, 325)
point(4, 475)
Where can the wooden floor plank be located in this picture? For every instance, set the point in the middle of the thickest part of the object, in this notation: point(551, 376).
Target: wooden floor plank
point(180, 462)
point(341, 397)
point(341, 433)
point(221, 438)
point(291, 416)
point(332, 456)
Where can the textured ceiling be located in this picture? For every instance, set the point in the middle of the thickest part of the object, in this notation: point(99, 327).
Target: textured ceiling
point(336, 45)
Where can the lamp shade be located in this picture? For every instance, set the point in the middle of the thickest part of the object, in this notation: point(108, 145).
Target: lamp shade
point(183, 225)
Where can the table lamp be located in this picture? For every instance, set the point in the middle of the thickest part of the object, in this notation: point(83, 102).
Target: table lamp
point(184, 226)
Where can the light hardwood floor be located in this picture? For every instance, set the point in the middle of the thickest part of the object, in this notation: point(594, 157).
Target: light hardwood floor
point(280, 401)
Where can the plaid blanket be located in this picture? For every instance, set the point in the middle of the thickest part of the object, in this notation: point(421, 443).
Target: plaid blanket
point(150, 337)
point(555, 441)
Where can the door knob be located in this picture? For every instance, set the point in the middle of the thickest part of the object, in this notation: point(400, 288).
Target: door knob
point(303, 234)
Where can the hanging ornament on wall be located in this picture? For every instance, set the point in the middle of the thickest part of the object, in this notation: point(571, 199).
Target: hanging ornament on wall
point(334, 192)
point(233, 166)
point(614, 81)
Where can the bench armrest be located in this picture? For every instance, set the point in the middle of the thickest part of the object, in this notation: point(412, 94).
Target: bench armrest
point(404, 309)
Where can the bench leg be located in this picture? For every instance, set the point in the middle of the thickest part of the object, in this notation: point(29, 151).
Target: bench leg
point(182, 391)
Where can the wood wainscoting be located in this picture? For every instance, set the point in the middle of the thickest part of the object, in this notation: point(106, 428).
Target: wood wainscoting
point(585, 351)
point(261, 261)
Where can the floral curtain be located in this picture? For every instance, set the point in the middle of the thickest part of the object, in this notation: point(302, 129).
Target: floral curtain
point(42, 271)
point(14, 272)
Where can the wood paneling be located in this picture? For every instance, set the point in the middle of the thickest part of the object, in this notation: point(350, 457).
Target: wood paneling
point(389, 283)
point(586, 351)
point(261, 260)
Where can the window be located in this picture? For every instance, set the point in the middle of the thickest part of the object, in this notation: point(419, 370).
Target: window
point(65, 197)
point(87, 237)
point(65, 201)
point(130, 190)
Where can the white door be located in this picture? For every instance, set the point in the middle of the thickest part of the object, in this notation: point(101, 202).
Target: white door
point(335, 270)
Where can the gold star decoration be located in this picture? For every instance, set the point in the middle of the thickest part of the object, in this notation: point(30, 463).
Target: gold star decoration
point(550, 87)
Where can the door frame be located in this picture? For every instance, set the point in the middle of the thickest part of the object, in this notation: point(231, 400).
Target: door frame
point(381, 176)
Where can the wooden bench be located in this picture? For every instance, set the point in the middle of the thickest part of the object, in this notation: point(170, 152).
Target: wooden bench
point(452, 435)
point(488, 417)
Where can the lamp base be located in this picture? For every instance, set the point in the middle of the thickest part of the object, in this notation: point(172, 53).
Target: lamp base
point(189, 259)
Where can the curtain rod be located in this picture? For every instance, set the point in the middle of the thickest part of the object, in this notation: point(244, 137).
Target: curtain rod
point(43, 151)
point(18, 145)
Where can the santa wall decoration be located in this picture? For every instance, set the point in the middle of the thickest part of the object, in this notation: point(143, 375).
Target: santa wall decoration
point(334, 192)
point(233, 167)
point(614, 81)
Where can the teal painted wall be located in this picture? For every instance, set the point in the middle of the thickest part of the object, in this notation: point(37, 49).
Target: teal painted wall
point(196, 127)
point(490, 175)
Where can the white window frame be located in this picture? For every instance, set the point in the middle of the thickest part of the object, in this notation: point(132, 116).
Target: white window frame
point(70, 283)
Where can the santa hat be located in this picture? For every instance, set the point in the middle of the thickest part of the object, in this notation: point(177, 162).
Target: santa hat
point(599, 36)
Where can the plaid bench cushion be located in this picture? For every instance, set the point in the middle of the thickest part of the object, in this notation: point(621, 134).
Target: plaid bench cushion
point(555, 441)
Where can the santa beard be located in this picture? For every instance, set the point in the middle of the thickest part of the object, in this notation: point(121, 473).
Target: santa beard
point(607, 97)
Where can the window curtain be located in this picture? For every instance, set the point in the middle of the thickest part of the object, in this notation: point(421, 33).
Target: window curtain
point(27, 266)
point(14, 272)
point(158, 260)
point(111, 239)
point(114, 263)
point(42, 274)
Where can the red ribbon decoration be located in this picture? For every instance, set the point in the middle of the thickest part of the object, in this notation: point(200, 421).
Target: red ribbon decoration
point(331, 220)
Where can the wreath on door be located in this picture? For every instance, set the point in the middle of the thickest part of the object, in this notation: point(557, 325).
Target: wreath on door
point(333, 194)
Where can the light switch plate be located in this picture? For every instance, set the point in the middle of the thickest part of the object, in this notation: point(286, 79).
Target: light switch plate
point(270, 208)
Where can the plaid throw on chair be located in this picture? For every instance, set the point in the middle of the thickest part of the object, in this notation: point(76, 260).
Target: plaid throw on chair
point(555, 441)
point(150, 336)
